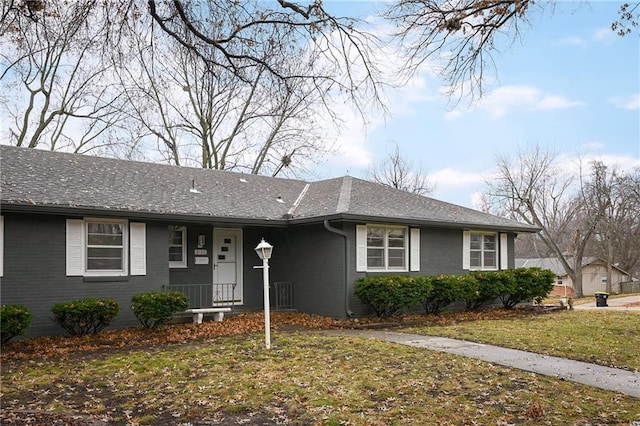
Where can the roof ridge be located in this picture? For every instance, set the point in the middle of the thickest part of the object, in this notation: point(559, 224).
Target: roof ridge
point(344, 199)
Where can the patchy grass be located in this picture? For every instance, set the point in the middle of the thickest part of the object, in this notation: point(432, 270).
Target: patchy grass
point(305, 379)
point(610, 338)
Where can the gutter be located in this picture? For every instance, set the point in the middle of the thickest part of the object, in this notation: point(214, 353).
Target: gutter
point(328, 227)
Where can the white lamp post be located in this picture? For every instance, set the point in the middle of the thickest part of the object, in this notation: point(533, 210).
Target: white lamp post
point(264, 250)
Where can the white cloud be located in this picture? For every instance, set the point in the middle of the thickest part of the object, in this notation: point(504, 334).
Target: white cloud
point(573, 163)
point(453, 115)
point(631, 102)
point(571, 41)
point(455, 178)
point(476, 200)
point(504, 99)
point(557, 102)
point(604, 35)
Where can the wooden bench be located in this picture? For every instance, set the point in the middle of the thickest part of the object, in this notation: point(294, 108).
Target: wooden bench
point(218, 313)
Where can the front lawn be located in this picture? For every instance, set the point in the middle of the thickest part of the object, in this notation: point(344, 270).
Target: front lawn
point(197, 375)
point(610, 338)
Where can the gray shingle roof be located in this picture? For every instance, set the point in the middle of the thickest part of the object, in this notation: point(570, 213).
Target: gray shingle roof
point(36, 179)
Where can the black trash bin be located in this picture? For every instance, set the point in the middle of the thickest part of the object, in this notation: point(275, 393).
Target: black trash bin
point(601, 298)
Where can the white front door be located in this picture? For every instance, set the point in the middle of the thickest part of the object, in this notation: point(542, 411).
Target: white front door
point(227, 265)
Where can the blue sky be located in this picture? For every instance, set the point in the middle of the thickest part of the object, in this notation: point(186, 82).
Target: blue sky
point(569, 84)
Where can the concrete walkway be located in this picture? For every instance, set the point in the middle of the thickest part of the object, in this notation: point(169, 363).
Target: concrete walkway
point(614, 379)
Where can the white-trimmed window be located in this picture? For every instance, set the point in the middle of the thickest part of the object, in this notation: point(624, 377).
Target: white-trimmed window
point(386, 248)
point(105, 247)
point(483, 250)
point(177, 247)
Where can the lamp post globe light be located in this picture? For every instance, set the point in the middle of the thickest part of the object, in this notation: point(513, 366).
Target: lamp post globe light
point(264, 250)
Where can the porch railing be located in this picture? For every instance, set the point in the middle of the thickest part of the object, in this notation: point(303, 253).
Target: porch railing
point(215, 295)
point(206, 295)
point(282, 295)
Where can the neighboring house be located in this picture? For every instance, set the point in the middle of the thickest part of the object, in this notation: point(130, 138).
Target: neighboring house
point(74, 226)
point(594, 275)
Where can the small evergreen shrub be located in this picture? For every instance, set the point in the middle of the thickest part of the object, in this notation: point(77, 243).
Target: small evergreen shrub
point(388, 294)
point(527, 285)
point(14, 321)
point(445, 290)
point(88, 316)
point(490, 285)
point(156, 308)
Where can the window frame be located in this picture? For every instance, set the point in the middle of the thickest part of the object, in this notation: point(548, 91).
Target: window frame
point(183, 262)
point(496, 251)
point(124, 271)
point(386, 248)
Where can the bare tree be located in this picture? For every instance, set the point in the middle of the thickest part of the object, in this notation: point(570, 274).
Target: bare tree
point(465, 34)
point(534, 189)
point(398, 172)
point(263, 71)
point(57, 87)
point(203, 115)
point(617, 235)
point(235, 41)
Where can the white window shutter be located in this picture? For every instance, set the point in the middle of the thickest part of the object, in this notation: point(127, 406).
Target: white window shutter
point(415, 250)
point(75, 247)
point(466, 250)
point(504, 252)
point(1, 246)
point(138, 248)
point(361, 248)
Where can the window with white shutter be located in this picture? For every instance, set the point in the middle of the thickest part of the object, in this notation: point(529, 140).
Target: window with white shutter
point(105, 247)
point(386, 248)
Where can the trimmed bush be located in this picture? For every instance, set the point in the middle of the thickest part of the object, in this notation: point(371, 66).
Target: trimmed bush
point(88, 316)
point(156, 308)
point(527, 285)
point(388, 294)
point(445, 290)
point(490, 285)
point(14, 321)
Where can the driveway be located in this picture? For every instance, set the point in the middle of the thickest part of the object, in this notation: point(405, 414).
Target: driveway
point(617, 304)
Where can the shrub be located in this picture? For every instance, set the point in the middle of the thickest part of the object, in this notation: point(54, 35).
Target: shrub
point(388, 294)
point(490, 286)
point(527, 284)
point(14, 320)
point(445, 290)
point(156, 308)
point(88, 316)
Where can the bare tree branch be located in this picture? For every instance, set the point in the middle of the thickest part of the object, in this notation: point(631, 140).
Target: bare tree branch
point(400, 173)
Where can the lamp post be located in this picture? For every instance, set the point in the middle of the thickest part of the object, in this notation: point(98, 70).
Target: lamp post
point(264, 249)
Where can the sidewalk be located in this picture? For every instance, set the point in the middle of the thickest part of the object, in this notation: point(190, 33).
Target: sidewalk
point(617, 304)
point(613, 379)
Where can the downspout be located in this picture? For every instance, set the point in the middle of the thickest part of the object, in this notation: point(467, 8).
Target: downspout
point(340, 232)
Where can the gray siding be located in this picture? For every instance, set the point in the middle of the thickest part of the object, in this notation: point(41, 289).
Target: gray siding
point(319, 256)
point(193, 274)
point(309, 256)
point(35, 271)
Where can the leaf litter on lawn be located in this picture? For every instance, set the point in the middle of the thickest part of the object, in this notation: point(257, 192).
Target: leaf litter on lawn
point(209, 374)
